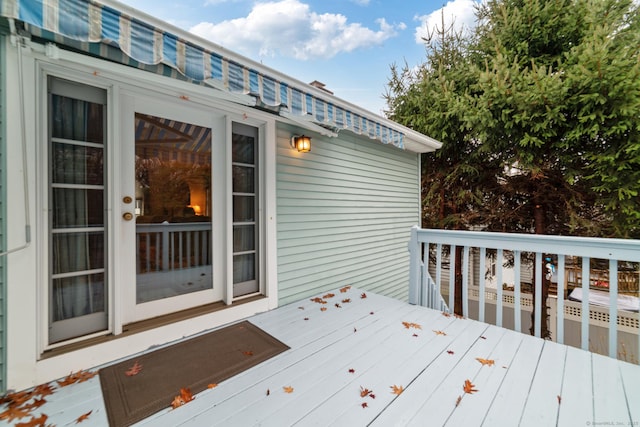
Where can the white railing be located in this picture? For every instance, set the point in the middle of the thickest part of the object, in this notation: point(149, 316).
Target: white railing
point(172, 246)
point(433, 251)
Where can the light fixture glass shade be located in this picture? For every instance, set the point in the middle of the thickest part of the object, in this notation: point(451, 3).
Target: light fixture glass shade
point(302, 143)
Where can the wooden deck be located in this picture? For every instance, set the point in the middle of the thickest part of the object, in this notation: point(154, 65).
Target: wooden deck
point(363, 343)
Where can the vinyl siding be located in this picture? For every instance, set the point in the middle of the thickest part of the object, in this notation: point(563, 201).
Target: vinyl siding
point(345, 211)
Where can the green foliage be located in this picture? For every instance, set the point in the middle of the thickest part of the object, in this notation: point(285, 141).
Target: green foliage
point(539, 115)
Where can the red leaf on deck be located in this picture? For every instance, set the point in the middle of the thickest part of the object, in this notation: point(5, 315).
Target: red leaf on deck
point(352, 371)
point(468, 387)
point(355, 330)
point(338, 305)
point(268, 392)
point(83, 417)
point(346, 300)
point(484, 338)
point(34, 422)
point(371, 312)
point(364, 404)
point(306, 318)
point(409, 325)
point(450, 351)
point(345, 289)
point(371, 395)
point(363, 295)
point(134, 370)
point(415, 335)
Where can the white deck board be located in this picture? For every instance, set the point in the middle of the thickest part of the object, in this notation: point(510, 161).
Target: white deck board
point(367, 336)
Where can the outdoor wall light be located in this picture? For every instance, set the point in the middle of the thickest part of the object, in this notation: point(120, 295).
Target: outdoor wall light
point(301, 143)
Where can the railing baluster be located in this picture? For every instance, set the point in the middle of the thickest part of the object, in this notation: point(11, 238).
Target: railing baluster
point(560, 298)
point(517, 314)
point(499, 266)
point(465, 281)
point(537, 283)
point(483, 256)
point(414, 267)
point(585, 302)
point(439, 268)
point(452, 278)
point(425, 294)
point(613, 308)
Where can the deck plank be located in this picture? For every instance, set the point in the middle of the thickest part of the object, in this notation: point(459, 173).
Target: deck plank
point(631, 380)
point(576, 407)
point(609, 403)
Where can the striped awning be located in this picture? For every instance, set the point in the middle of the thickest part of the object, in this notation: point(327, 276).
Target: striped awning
point(92, 23)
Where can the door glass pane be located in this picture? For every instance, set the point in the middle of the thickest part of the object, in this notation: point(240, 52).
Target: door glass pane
point(243, 208)
point(244, 268)
point(77, 287)
point(243, 179)
point(173, 208)
point(244, 238)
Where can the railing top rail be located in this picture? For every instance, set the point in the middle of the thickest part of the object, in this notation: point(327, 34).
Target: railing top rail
point(619, 249)
point(175, 226)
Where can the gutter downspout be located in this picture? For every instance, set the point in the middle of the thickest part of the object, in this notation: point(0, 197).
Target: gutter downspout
point(20, 44)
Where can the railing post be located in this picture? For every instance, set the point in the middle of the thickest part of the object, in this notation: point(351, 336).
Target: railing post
point(414, 267)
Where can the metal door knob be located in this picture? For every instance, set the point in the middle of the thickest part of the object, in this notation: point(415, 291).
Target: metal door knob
point(127, 216)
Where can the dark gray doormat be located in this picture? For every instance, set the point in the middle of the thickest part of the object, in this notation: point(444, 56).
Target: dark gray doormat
point(194, 364)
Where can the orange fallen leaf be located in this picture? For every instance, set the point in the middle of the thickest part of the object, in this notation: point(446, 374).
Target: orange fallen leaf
point(34, 405)
point(248, 353)
point(14, 413)
point(345, 289)
point(346, 300)
point(468, 387)
point(363, 295)
point(318, 300)
point(445, 314)
point(83, 417)
point(409, 325)
point(288, 389)
point(43, 390)
point(440, 332)
point(212, 385)
point(134, 370)
point(323, 308)
point(34, 422)
point(77, 377)
point(397, 389)
point(329, 295)
point(184, 397)
point(364, 392)
point(488, 362)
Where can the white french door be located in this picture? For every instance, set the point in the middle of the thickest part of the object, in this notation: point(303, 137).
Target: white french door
point(170, 215)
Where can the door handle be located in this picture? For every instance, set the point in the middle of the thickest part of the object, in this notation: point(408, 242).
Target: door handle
point(127, 216)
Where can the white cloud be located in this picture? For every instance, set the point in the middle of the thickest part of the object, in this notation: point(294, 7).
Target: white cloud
point(361, 2)
point(460, 12)
point(291, 28)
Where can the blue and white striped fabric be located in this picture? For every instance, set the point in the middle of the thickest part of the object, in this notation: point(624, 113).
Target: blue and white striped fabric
point(94, 23)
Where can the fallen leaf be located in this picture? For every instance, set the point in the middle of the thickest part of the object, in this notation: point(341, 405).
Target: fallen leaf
point(329, 295)
point(34, 405)
point(77, 377)
point(445, 314)
point(364, 404)
point(559, 399)
point(364, 392)
point(468, 387)
point(397, 389)
point(458, 400)
point(212, 385)
point(288, 389)
point(409, 325)
point(83, 417)
point(134, 370)
point(484, 338)
point(300, 308)
point(323, 308)
point(177, 402)
point(345, 289)
point(363, 295)
point(43, 390)
point(415, 335)
point(439, 332)
point(183, 398)
point(355, 330)
point(352, 371)
point(346, 300)
point(488, 362)
point(268, 392)
point(248, 353)
point(306, 318)
point(338, 305)
point(34, 422)
point(17, 398)
point(450, 351)
point(371, 312)
point(318, 300)
point(371, 395)
point(14, 413)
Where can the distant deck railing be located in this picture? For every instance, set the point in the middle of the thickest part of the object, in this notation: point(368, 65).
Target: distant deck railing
point(430, 250)
point(172, 246)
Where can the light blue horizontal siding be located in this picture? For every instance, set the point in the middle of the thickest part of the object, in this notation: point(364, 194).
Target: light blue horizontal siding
point(345, 211)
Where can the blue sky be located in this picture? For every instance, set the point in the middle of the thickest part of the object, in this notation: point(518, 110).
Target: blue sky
point(348, 45)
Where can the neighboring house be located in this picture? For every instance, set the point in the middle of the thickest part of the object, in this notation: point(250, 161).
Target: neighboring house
point(150, 190)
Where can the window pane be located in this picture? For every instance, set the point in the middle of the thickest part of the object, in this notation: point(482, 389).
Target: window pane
point(243, 208)
point(77, 120)
point(243, 238)
point(243, 149)
point(77, 208)
point(243, 181)
point(244, 268)
point(78, 296)
point(77, 252)
point(75, 164)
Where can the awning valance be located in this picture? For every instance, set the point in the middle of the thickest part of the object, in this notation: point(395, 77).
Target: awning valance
point(93, 23)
